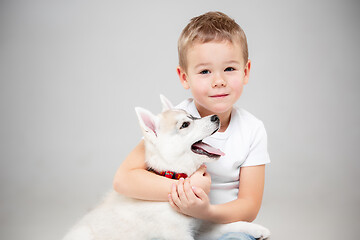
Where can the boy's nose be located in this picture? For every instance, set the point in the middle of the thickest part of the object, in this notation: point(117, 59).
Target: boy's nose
point(219, 81)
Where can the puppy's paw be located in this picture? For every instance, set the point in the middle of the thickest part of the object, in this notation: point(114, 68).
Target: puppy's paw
point(260, 232)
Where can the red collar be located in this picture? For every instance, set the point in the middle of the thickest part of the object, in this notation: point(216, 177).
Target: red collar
point(171, 174)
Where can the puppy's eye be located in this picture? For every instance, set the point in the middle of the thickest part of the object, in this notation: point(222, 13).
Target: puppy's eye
point(185, 125)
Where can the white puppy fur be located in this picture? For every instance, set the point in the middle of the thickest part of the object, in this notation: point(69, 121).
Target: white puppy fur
point(172, 143)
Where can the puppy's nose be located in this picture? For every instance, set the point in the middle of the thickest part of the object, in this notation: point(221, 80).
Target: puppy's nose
point(215, 118)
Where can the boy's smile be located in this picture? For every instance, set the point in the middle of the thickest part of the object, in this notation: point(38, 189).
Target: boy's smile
point(216, 74)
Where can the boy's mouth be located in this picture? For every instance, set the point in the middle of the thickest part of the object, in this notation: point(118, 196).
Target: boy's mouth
point(222, 95)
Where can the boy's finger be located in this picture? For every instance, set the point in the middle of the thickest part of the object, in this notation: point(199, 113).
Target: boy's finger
point(199, 193)
point(202, 169)
point(172, 204)
point(174, 195)
point(180, 191)
point(188, 190)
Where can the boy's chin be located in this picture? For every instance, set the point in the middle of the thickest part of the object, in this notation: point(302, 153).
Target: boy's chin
point(221, 109)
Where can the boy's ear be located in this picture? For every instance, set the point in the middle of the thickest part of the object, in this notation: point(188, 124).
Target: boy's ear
point(149, 123)
point(247, 72)
point(166, 104)
point(183, 77)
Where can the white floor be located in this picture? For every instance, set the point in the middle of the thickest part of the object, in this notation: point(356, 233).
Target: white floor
point(287, 218)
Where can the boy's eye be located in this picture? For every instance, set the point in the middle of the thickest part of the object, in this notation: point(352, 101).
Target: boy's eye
point(229, 69)
point(205, 72)
point(185, 125)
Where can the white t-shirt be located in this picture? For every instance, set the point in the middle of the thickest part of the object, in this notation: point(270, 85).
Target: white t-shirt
point(244, 143)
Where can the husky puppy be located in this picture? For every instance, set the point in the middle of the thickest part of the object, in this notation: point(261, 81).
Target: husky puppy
point(174, 147)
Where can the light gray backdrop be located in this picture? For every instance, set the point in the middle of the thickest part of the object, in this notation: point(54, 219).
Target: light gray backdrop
point(72, 72)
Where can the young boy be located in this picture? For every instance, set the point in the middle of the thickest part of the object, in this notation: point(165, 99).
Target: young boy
point(214, 65)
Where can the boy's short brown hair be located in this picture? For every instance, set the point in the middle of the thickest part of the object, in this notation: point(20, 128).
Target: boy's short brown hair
point(211, 26)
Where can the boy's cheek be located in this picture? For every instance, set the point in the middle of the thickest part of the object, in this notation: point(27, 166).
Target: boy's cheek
point(200, 85)
point(199, 92)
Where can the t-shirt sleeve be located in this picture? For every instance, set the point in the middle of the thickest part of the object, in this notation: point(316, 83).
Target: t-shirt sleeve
point(258, 153)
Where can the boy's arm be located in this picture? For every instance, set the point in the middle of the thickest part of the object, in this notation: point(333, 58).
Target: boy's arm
point(247, 206)
point(132, 179)
point(194, 202)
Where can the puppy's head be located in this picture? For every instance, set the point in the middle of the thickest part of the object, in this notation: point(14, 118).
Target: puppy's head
point(173, 139)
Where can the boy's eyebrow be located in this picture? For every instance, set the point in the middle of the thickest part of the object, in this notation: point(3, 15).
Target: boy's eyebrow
point(202, 65)
point(233, 62)
point(209, 64)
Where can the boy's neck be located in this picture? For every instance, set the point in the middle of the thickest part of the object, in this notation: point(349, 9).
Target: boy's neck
point(224, 120)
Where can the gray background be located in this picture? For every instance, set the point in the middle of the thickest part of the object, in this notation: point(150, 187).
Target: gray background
point(72, 72)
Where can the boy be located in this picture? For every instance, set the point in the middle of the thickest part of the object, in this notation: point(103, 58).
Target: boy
point(214, 65)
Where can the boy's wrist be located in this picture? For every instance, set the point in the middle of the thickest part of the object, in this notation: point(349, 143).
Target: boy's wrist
point(212, 213)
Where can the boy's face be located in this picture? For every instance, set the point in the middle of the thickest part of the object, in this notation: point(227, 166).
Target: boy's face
point(215, 75)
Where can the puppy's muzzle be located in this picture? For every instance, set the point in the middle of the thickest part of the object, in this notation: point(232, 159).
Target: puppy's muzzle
point(215, 119)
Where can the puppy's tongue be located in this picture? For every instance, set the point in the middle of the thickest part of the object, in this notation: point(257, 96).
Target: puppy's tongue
point(208, 148)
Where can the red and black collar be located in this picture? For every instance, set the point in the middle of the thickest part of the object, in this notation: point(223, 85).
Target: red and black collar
point(171, 174)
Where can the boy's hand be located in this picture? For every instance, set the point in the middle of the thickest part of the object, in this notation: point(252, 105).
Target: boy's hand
point(201, 179)
point(191, 201)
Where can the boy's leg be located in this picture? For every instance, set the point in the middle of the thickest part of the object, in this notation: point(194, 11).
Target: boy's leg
point(236, 236)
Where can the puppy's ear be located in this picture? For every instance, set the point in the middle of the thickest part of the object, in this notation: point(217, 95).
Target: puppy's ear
point(166, 104)
point(149, 123)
